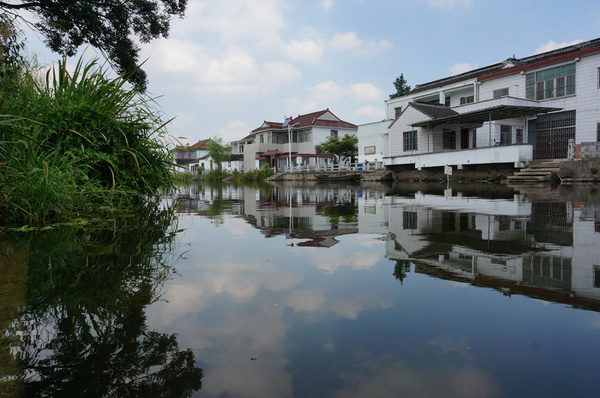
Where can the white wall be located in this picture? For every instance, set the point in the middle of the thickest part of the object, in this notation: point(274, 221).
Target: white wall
point(372, 135)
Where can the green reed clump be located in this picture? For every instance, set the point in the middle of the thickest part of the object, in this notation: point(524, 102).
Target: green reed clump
point(256, 175)
point(75, 142)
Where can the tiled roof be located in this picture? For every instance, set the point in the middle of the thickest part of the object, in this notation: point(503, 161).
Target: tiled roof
point(202, 144)
point(310, 119)
point(434, 111)
point(514, 65)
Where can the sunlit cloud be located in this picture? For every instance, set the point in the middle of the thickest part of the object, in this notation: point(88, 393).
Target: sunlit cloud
point(350, 42)
point(552, 45)
point(328, 4)
point(359, 92)
point(445, 5)
point(457, 69)
point(372, 112)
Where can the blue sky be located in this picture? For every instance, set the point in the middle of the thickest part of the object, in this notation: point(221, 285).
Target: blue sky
point(231, 64)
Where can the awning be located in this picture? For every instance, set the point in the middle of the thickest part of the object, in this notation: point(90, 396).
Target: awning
point(499, 112)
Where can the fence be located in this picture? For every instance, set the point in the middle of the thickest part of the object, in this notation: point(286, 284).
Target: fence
point(311, 168)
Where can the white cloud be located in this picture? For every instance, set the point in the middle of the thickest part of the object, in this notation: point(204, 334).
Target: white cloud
point(445, 5)
point(328, 4)
point(364, 92)
point(330, 91)
point(350, 42)
point(234, 131)
point(235, 19)
point(236, 71)
point(372, 112)
point(551, 45)
point(460, 68)
point(307, 50)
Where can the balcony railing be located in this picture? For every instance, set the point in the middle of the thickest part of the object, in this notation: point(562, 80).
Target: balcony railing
point(370, 166)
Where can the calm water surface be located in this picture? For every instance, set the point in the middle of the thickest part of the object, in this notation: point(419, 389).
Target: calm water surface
point(335, 291)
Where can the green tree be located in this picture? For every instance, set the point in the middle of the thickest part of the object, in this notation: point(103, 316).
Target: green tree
point(219, 151)
point(345, 148)
point(401, 87)
point(108, 25)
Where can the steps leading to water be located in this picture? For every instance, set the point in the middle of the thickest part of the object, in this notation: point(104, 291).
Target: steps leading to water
point(537, 171)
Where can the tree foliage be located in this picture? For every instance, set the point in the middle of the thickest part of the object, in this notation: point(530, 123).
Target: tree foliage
point(108, 25)
point(218, 151)
point(343, 149)
point(401, 87)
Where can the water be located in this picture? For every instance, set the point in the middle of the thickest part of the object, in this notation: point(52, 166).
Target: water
point(321, 291)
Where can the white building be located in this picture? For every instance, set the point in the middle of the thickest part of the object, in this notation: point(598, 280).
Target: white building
point(511, 112)
point(270, 143)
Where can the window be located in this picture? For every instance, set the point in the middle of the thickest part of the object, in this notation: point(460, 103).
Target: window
point(262, 139)
point(550, 83)
point(467, 100)
point(449, 139)
point(598, 132)
point(447, 101)
point(410, 140)
point(519, 136)
point(505, 135)
point(409, 220)
point(474, 139)
point(596, 275)
point(503, 92)
point(397, 112)
point(334, 133)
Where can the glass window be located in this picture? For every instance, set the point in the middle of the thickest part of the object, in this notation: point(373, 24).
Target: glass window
point(503, 92)
point(551, 83)
point(410, 140)
point(505, 135)
point(474, 139)
point(449, 139)
point(334, 133)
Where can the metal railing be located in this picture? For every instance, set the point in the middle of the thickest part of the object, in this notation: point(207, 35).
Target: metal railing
point(311, 168)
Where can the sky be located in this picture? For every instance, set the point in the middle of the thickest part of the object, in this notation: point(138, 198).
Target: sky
point(229, 65)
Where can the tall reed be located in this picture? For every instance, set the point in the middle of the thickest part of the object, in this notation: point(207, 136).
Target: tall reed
point(74, 143)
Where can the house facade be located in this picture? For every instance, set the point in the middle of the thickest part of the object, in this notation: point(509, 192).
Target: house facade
point(270, 143)
point(193, 157)
point(512, 112)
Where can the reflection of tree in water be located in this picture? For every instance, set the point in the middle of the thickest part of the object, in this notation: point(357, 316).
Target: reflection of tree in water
point(84, 330)
point(346, 212)
point(401, 269)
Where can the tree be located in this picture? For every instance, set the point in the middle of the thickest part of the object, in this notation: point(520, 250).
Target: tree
point(218, 151)
point(107, 25)
point(401, 87)
point(343, 149)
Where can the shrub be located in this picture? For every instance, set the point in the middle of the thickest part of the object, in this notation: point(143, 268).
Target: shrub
point(76, 141)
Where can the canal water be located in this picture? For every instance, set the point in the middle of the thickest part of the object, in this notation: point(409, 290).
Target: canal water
point(321, 290)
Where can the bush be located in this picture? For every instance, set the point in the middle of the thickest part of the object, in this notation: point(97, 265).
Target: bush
point(76, 142)
point(257, 175)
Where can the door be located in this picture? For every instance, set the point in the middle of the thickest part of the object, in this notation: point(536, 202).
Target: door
point(464, 138)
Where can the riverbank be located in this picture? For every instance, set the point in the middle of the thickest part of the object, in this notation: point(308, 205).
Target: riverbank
point(566, 171)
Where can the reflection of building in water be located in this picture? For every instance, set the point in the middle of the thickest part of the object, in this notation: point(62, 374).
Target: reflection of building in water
point(206, 200)
point(315, 215)
point(547, 250)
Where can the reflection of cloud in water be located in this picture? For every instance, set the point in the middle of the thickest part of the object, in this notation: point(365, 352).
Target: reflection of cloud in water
point(241, 281)
point(315, 301)
point(387, 376)
point(332, 260)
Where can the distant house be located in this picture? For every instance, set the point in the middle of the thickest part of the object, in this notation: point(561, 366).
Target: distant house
point(270, 144)
point(511, 112)
point(193, 157)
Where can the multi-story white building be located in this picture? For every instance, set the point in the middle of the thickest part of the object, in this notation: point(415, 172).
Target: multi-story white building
point(270, 143)
point(512, 112)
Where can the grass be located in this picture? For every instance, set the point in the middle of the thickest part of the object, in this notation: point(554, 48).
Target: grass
point(72, 143)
